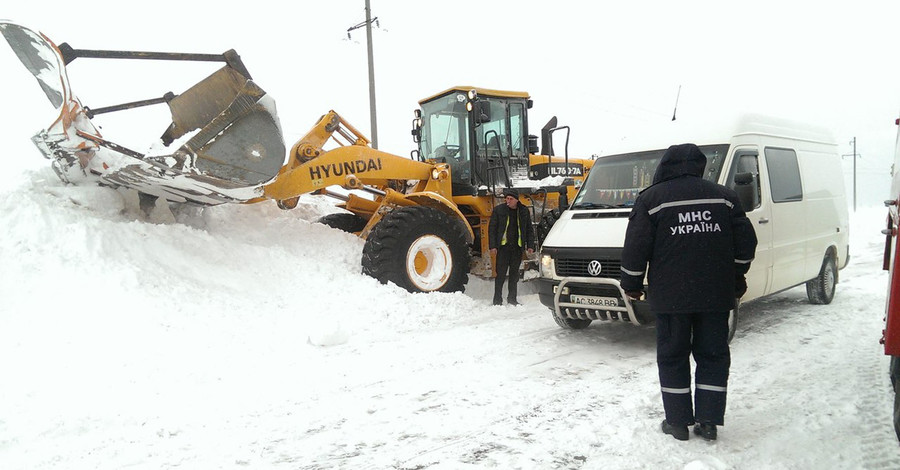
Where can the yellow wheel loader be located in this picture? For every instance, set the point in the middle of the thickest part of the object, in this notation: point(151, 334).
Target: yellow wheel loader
point(424, 217)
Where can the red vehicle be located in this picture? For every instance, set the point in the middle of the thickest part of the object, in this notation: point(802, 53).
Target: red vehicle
point(891, 334)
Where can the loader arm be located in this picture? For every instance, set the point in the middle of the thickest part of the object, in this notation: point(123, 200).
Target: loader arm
point(352, 165)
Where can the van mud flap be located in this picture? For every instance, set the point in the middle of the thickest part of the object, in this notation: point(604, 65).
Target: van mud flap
point(223, 144)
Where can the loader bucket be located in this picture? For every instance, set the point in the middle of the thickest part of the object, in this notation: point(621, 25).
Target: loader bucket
point(223, 144)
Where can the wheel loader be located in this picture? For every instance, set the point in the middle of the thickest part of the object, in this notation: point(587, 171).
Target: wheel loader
point(424, 218)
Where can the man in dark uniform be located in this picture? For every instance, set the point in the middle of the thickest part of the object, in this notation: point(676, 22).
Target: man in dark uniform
point(699, 245)
point(509, 232)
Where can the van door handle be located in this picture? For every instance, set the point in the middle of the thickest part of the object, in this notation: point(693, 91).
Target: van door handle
point(764, 220)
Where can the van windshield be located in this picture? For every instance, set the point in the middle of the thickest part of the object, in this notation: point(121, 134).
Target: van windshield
point(616, 180)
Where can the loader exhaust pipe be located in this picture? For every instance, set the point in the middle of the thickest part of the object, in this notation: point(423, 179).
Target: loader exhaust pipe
point(546, 137)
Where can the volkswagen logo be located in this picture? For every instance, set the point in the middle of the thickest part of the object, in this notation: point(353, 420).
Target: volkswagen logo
point(594, 268)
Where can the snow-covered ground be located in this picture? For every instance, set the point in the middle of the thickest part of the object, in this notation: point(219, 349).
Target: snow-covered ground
point(243, 336)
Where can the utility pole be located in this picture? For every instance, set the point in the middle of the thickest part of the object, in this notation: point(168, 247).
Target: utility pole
point(854, 172)
point(372, 92)
point(372, 113)
point(854, 155)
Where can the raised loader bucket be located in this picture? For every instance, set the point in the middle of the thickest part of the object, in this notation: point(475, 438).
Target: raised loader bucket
point(223, 144)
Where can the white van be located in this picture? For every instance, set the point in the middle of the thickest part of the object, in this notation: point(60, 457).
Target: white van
point(790, 181)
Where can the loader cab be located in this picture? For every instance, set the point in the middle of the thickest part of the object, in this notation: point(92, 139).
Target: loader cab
point(482, 134)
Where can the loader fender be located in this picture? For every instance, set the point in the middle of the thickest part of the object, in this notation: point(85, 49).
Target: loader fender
point(435, 200)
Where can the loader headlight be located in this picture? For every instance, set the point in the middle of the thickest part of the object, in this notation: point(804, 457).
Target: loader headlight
point(440, 174)
point(469, 106)
point(472, 95)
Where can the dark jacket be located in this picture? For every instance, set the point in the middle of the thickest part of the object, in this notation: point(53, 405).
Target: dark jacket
point(694, 235)
point(496, 227)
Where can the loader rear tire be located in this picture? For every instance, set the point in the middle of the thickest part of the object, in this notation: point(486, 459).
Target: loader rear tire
point(549, 218)
point(350, 223)
point(420, 249)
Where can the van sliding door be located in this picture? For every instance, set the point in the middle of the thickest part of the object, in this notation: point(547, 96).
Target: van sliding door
point(789, 234)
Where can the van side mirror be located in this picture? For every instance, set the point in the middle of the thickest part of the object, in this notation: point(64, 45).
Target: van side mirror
point(746, 192)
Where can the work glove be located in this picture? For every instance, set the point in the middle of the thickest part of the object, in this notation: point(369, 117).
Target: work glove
point(634, 294)
point(740, 285)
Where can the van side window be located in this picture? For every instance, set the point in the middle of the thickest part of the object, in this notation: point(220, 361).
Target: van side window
point(784, 175)
point(746, 163)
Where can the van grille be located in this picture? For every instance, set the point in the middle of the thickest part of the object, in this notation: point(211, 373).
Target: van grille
point(610, 268)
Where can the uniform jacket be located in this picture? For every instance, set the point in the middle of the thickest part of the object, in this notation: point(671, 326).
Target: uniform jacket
point(497, 225)
point(692, 233)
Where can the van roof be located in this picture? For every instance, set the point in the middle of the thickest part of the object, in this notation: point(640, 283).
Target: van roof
point(718, 131)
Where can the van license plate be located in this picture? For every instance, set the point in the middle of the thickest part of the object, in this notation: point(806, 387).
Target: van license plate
point(591, 300)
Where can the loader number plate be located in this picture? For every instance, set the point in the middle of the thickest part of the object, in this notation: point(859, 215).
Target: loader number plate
point(591, 300)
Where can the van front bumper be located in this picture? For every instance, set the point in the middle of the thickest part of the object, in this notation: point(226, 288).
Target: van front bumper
point(557, 295)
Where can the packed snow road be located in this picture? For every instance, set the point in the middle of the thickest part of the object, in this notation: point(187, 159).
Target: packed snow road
point(246, 337)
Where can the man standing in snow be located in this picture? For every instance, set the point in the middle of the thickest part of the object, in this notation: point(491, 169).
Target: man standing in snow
point(508, 233)
point(699, 245)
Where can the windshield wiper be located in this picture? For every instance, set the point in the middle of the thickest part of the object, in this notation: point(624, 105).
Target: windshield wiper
point(592, 205)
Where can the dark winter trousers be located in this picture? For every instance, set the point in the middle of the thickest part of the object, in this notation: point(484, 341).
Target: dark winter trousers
point(509, 257)
point(705, 335)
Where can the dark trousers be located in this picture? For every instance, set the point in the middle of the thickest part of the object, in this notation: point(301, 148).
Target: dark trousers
point(705, 336)
point(509, 257)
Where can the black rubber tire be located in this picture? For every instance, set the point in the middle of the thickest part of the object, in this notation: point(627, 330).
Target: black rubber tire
point(350, 223)
point(821, 289)
point(733, 316)
point(569, 323)
point(387, 248)
point(895, 378)
point(547, 220)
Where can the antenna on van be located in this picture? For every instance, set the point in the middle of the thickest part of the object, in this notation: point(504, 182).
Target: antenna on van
point(676, 102)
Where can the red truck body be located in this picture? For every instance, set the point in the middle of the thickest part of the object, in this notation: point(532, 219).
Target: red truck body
point(891, 335)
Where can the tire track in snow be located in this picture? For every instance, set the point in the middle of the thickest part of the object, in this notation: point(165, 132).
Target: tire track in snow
point(878, 442)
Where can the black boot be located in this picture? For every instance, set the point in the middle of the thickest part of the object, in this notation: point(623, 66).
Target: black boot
point(678, 432)
point(706, 431)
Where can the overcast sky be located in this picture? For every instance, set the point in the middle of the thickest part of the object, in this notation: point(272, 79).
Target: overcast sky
point(607, 69)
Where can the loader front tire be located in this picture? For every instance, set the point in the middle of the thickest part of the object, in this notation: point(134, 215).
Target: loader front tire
point(350, 223)
point(420, 249)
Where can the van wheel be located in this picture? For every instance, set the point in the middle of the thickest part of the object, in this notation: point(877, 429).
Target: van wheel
point(420, 249)
point(569, 323)
point(821, 289)
point(733, 319)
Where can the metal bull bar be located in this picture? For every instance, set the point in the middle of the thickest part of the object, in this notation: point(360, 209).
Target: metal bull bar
point(578, 311)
